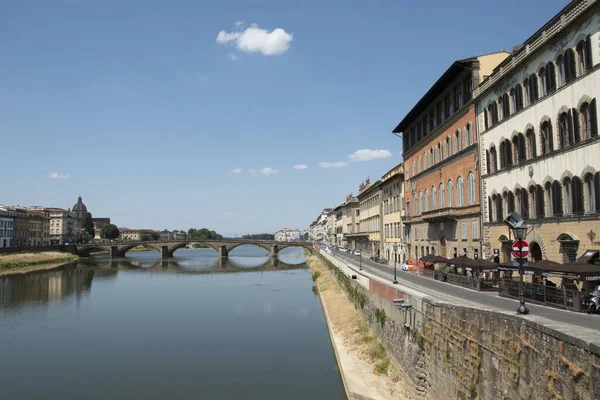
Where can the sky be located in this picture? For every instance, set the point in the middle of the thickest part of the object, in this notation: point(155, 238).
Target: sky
point(239, 116)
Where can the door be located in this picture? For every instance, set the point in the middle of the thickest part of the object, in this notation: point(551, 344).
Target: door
point(443, 244)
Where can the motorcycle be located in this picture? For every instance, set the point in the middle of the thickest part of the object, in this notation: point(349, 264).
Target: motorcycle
point(594, 306)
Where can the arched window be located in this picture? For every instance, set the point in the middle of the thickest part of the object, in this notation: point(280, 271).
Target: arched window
point(518, 97)
point(537, 201)
point(414, 166)
point(469, 140)
point(433, 198)
point(557, 207)
point(568, 196)
point(543, 81)
point(450, 192)
point(449, 146)
point(570, 67)
point(415, 207)
point(493, 166)
point(457, 142)
point(420, 203)
point(585, 122)
point(431, 157)
point(523, 203)
point(424, 167)
point(445, 149)
point(533, 88)
point(565, 131)
point(460, 192)
point(497, 199)
point(505, 106)
point(509, 202)
point(527, 88)
point(441, 192)
point(546, 137)
point(576, 195)
point(560, 65)
point(530, 143)
point(490, 210)
point(550, 77)
point(518, 149)
point(592, 190)
point(426, 198)
point(471, 188)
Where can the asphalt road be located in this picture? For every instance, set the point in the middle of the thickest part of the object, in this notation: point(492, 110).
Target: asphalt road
point(435, 288)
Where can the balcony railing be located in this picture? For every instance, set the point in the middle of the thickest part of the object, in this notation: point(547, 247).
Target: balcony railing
point(439, 214)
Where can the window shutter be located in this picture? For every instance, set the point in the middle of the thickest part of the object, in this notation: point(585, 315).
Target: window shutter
point(593, 118)
point(567, 66)
point(588, 52)
point(575, 119)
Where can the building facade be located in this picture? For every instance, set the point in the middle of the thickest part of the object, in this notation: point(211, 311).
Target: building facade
point(441, 161)
point(350, 219)
point(179, 235)
point(540, 150)
point(287, 235)
point(136, 235)
point(7, 227)
point(64, 226)
point(370, 217)
point(392, 184)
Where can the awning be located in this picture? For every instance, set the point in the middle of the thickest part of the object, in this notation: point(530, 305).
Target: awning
point(465, 261)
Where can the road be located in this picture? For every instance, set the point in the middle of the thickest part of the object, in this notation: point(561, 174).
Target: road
point(445, 291)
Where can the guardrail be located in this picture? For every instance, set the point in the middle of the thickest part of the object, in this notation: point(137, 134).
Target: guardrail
point(558, 297)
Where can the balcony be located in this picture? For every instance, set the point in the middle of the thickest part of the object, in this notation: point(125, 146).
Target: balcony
point(405, 218)
point(439, 215)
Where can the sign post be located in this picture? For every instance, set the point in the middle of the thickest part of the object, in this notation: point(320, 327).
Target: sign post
point(520, 249)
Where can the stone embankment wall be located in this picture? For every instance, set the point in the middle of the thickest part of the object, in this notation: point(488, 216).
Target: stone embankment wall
point(456, 352)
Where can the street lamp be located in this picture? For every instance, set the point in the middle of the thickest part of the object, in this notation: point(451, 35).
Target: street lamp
point(515, 222)
point(395, 260)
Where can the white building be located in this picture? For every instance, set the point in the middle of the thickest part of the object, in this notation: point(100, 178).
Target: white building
point(7, 227)
point(287, 235)
point(539, 147)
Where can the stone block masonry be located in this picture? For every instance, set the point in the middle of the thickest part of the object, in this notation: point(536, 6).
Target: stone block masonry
point(453, 351)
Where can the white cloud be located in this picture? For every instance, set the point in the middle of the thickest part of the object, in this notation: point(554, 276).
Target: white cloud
point(238, 24)
point(368, 155)
point(300, 166)
point(336, 164)
point(56, 175)
point(236, 170)
point(233, 57)
point(257, 40)
point(252, 172)
point(268, 171)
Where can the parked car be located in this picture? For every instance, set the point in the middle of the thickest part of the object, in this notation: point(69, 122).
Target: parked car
point(405, 266)
point(328, 251)
point(356, 252)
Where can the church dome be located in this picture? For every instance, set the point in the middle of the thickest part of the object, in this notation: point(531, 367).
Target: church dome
point(79, 206)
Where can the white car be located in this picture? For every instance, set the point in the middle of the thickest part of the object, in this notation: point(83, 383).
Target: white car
point(404, 266)
point(328, 251)
point(356, 252)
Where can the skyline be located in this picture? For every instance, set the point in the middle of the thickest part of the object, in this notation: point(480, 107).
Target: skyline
point(139, 120)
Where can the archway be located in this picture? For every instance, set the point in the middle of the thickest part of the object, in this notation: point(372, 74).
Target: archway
point(443, 246)
point(536, 251)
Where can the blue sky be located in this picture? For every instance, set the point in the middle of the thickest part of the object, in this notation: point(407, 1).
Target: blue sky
point(139, 108)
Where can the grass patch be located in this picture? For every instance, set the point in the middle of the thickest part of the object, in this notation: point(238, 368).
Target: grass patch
point(16, 260)
point(315, 275)
point(380, 316)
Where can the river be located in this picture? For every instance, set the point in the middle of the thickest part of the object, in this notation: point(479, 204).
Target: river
point(193, 327)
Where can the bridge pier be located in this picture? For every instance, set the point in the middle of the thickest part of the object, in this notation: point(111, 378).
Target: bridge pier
point(274, 250)
point(164, 252)
point(274, 262)
point(223, 251)
point(114, 252)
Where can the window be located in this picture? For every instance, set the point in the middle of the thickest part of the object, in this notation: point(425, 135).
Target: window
point(426, 200)
point(537, 201)
point(569, 65)
point(550, 77)
point(509, 202)
point(425, 126)
point(471, 188)
point(527, 88)
point(505, 154)
point(448, 103)
point(464, 231)
point(416, 233)
point(432, 119)
point(523, 203)
point(530, 139)
point(519, 149)
point(493, 163)
point(450, 192)
point(448, 148)
point(468, 85)
point(576, 196)
point(456, 140)
point(433, 199)
point(440, 113)
point(459, 192)
point(518, 98)
point(493, 113)
point(592, 190)
point(546, 137)
point(560, 65)
point(556, 194)
point(425, 163)
point(468, 135)
point(475, 227)
point(420, 202)
point(543, 81)
point(582, 57)
point(419, 132)
point(505, 106)
point(565, 130)
point(415, 208)
point(568, 196)
point(458, 97)
point(533, 88)
point(445, 150)
point(441, 191)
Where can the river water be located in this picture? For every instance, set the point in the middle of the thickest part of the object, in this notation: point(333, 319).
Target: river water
point(195, 327)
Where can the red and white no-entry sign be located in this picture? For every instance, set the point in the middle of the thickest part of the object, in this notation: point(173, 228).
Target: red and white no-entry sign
point(524, 252)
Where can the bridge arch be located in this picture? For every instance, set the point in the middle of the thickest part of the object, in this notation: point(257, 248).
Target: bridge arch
point(122, 250)
point(267, 247)
point(85, 252)
point(180, 245)
point(292, 244)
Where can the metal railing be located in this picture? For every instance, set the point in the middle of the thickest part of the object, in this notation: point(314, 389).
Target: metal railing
point(567, 298)
point(460, 280)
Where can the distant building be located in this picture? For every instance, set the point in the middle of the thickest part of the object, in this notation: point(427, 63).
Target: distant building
point(135, 235)
point(29, 227)
point(179, 235)
point(7, 227)
point(64, 226)
point(287, 235)
point(166, 235)
point(99, 223)
point(393, 194)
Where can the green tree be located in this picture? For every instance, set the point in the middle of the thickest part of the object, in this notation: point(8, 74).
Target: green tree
point(259, 236)
point(88, 225)
point(109, 231)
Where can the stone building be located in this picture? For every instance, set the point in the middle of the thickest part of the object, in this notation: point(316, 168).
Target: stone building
point(136, 235)
point(179, 235)
point(166, 235)
point(441, 163)
point(64, 226)
point(29, 227)
point(350, 218)
point(392, 190)
point(7, 227)
point(99, 223)
point(540, 150)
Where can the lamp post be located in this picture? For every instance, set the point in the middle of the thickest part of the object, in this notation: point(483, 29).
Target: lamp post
point(395, 260)
point(360, 260)
point(515, 222)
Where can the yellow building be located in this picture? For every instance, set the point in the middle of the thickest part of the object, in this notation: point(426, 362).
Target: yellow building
point(370, 226)
point(392, 185)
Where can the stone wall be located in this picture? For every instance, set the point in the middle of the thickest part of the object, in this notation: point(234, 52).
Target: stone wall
point(455, 352)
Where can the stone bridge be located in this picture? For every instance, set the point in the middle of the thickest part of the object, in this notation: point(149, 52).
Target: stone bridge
point(168, 247)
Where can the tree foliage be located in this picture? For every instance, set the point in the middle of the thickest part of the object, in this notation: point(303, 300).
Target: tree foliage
point(203, 233)
point(88, 225)
point(109, 231)
point(150, 236)
point(259, 236)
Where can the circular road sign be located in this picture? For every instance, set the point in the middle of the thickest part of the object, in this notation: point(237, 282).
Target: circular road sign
point(520, 253)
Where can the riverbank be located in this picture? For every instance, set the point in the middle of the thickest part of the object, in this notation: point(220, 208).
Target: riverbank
point(366, 370)
point(31, 261)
